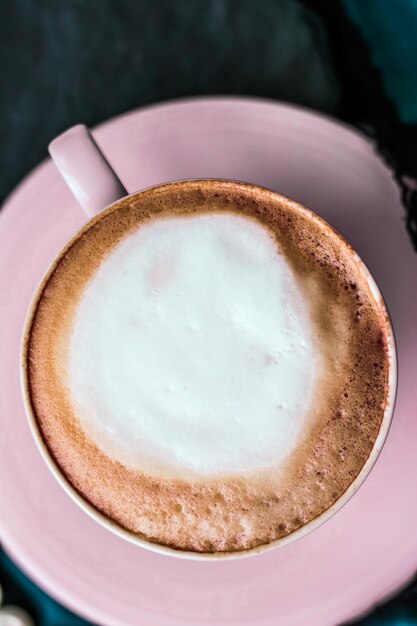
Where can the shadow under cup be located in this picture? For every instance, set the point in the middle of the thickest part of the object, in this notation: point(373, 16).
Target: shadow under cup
point(206, 556)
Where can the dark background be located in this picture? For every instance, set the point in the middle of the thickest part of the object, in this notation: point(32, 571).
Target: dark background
point(68, 61)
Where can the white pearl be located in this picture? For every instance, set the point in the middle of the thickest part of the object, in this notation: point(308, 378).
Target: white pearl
point(14, 616)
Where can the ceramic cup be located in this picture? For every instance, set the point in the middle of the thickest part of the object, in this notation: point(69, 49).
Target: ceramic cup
point(96, 186)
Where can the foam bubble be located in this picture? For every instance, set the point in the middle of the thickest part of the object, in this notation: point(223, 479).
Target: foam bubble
point(193, 349)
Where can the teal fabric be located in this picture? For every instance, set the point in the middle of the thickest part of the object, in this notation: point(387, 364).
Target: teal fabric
point(390, 29)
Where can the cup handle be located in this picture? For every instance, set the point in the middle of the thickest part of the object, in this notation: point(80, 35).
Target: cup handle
point(85, 169)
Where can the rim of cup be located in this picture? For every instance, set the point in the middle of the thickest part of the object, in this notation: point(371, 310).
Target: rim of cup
point(131, 537)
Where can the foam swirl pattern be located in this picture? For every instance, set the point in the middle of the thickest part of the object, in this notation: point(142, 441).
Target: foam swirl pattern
point(190, 348)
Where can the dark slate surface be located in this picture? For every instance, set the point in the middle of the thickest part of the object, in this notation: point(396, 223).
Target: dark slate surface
point(69, 61)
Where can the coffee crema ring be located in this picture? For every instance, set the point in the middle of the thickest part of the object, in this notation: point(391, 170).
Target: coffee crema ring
point(208, 365)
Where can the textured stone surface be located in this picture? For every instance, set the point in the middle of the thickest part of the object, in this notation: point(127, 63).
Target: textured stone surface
point(69, 61)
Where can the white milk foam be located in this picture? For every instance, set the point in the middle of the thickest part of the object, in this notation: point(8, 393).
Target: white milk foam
point(193, 349)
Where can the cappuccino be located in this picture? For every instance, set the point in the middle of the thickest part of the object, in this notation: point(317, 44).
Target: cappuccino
point(208, 365)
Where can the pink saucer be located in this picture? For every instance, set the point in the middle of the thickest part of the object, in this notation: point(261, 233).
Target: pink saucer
point(354, 560)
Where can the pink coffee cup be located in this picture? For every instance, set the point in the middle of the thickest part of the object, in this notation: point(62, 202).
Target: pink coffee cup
point(96, 186)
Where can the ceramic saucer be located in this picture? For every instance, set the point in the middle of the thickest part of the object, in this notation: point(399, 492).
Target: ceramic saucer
point(338, 571)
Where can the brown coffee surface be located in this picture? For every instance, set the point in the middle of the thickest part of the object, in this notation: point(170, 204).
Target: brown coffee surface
point(231, 512)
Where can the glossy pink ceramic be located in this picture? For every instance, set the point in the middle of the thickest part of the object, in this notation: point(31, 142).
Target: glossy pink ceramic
point(347, 564)
point(95, 185)
point(85, 170)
